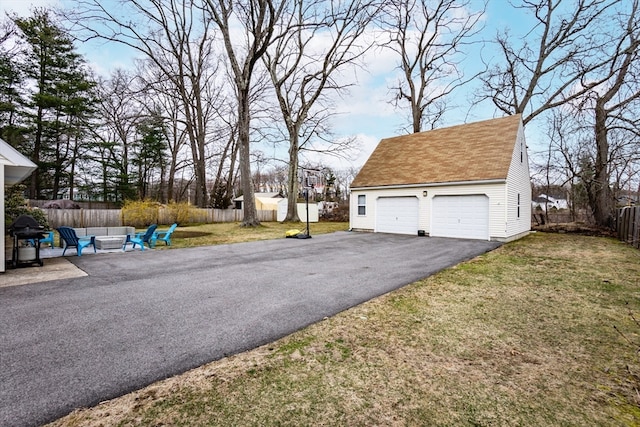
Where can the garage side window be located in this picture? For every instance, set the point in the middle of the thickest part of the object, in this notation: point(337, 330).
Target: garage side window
point(362, 204)
point(518, 205)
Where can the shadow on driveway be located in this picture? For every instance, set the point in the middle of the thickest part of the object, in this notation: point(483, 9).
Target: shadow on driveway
point(143, 317)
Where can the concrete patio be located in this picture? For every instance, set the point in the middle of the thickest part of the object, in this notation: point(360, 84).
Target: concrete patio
point(55, 266)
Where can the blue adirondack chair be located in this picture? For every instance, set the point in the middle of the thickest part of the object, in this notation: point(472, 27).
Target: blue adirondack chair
point(142, 238)
point(165, 235)
point(48, 239)
point(68, 235)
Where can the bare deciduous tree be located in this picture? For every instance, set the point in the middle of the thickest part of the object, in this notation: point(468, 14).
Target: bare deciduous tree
point(160, 97)
point(542, 70)
point(586, 61)
point(303, 74)
point(114, 135)
point(175, 36)
point(615, 106)
point(257, 20)
point(430, 39)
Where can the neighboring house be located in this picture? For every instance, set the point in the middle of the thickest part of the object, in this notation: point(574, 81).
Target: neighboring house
point(542, 202)
point(264, 201)
point(14, 168)
point(468, 181)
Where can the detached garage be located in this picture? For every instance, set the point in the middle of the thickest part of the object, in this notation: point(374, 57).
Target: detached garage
point(469, 181)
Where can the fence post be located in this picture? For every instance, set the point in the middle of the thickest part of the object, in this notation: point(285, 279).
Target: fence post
point(636, 227)
point(628, 226)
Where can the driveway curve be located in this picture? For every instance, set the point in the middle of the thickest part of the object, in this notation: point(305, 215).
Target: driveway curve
point(144, 316)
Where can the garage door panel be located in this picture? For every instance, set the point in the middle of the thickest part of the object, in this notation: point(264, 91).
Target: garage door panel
point(397, 215)
point(460, 216)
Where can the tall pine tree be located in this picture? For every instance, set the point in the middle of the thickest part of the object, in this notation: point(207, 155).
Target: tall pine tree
point(150, 152)
point(11, 84)
point(59, 105)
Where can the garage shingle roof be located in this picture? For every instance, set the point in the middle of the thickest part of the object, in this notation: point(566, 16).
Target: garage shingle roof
point(471, 152)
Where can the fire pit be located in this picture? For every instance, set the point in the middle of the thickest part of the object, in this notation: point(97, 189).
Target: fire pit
point(25, 230)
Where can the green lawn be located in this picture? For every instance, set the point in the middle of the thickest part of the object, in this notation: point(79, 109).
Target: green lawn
point(539, 332)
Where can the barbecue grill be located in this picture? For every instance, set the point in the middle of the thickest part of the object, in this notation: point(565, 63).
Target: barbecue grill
point(26, 233)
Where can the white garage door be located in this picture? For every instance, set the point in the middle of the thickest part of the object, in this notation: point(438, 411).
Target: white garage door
point(397, 215)
point(465, 217)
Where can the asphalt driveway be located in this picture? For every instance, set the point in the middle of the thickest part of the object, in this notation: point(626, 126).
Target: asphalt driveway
point(144, 316)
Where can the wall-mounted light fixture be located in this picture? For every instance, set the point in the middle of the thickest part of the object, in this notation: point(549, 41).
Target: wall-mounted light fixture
point(424, 193)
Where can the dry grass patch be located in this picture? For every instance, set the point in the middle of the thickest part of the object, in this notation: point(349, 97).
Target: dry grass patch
point(523, 335)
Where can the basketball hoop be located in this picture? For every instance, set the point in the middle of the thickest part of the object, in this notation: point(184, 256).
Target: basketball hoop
point(312, 181)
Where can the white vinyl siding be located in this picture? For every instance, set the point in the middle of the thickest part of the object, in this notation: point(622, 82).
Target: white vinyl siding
point(518, 184)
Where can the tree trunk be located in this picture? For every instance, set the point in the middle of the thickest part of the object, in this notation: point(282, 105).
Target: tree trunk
point(105, 180)
point(72, 167)
point(292, 181)
point(34, 190)
point(173, 166)
point(602, 203)
point(232, 170)
point(229, 152)
point(171, 179)
point(249, 203)
point(416, 115)
point(201, 178)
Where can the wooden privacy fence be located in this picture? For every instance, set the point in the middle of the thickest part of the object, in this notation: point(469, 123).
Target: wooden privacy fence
point(629, 225)
point(83, 217)
point(113, 217)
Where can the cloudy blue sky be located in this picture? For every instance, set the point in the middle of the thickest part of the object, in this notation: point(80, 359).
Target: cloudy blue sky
point(365, 110)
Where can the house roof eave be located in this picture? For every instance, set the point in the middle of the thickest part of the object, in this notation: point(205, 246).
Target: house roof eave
point(17, 167)
point(430, 184)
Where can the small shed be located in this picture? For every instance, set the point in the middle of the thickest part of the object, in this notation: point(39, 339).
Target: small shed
point(302, 211)
point(14, 168)
point(468, 181)
point(264, 201)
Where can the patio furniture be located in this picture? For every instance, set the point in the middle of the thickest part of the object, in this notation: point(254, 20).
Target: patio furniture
point(68, 235)
point(109, 242)
point(48, 239)
point(165, 235)
point(107, 237)
point(142, 238)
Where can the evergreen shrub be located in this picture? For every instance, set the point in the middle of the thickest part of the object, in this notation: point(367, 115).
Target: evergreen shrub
point(15, 205)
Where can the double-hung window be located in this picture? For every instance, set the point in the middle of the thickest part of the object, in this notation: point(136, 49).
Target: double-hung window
point(362, 204)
